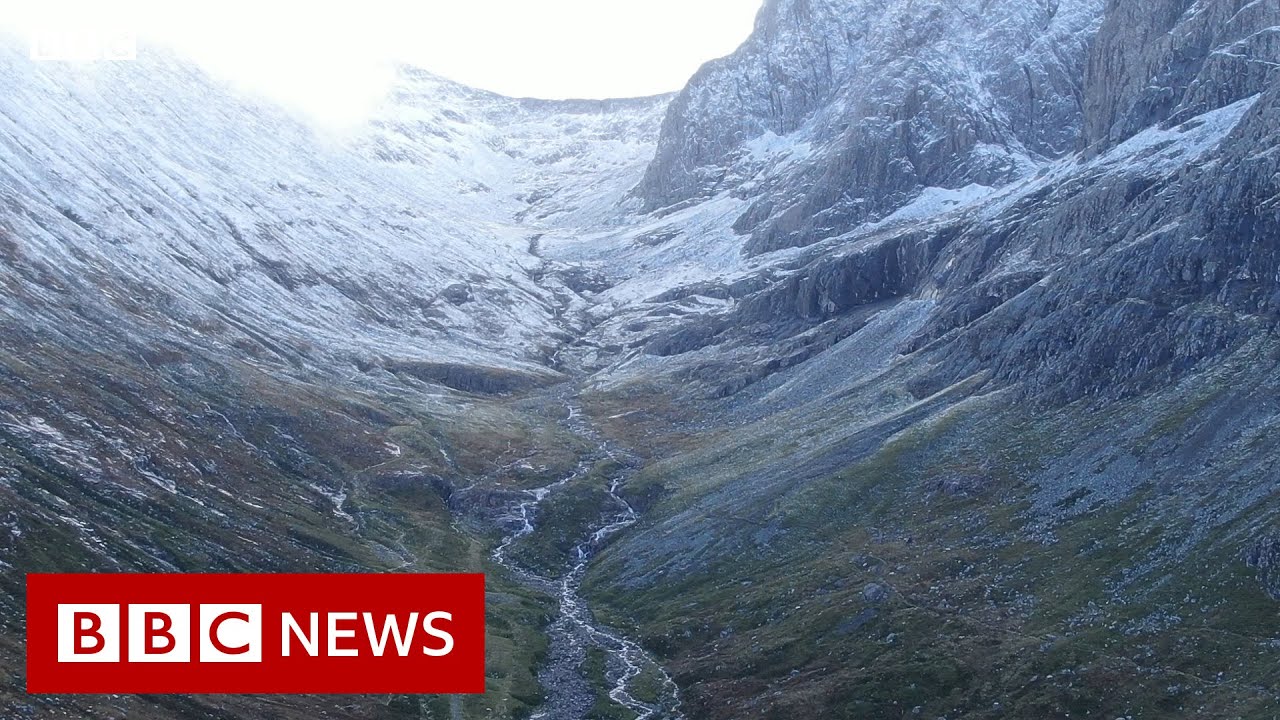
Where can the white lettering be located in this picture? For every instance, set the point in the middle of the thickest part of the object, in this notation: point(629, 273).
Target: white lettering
point(310, 641)
point(440, 634)
point(335, 634)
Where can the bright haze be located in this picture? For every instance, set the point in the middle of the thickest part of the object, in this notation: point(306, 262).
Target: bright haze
point(334, 59)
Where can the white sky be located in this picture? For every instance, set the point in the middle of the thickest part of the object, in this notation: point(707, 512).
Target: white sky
point(332, 58)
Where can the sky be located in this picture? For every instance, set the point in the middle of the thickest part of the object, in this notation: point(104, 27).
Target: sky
point(334, 58)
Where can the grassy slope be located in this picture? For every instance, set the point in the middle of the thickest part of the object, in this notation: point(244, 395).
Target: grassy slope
point(928, 574)
point(565, 519)
point(243, 449)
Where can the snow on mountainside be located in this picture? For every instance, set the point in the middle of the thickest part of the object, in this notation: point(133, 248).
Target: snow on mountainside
point(947, 314)
point(235, 343)
point(893, 97)
point(408, 242)
point(543, 163)
point(838, 117)
point(888, 137)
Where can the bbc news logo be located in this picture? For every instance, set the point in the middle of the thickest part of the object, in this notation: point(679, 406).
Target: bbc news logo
point(230, 634)
point(159, 633)
point(83, 44)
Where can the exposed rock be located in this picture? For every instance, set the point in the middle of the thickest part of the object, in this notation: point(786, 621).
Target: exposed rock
point(876, 594)
point(457, 294)
point(585, 280)
point(1264, 556)
point(1171, 60)
point(892, 97)
point(684, 339)
point(471, 378)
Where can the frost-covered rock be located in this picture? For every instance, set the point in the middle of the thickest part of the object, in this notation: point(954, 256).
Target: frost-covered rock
point(1171, 60)
point(888, 98)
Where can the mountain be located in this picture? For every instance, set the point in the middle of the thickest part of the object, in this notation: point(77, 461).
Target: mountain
point(932, 344)
point(236, 215)
point(234, 342)
point(889, 98)
point(983, 423)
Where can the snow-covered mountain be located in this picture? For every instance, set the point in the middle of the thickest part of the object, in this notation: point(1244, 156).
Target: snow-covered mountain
point(889, 98)
point(178, 205)
point(233, 341)
point(942, 336)
point(963, 156)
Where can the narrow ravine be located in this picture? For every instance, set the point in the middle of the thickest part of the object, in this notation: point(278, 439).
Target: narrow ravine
point(569, 693)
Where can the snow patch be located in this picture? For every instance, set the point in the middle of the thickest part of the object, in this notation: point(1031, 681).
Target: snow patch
point(935, 201)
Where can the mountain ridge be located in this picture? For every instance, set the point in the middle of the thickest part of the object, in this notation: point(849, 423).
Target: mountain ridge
point(941, 338)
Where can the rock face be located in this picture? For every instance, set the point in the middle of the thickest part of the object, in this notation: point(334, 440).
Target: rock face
point(947, 283)
point(889, 98)
point(1170, 60)
point(1184, 272)
point(1048, 173)
point(1264, 555)
point(770, 94)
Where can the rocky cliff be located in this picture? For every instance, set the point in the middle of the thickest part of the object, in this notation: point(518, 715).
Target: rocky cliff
point(890, 98)
point(987, 316)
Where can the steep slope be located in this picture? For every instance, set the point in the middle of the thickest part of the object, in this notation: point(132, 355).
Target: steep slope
point(541, 163)
point(945, 334)
point(989, 448)
point(1163, 61)
point(148, 180)
point(890, 98)
point(235, 214)
point(232, 342)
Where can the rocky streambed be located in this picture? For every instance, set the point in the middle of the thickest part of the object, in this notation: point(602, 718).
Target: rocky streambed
point(570, 694)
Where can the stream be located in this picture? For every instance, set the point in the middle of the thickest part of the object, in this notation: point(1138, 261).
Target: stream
point(569, 694)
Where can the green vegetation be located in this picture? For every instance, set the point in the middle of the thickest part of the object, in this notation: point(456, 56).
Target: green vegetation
point(595, 668)
point(565, 519)
point(919, 577)
point(240, 471)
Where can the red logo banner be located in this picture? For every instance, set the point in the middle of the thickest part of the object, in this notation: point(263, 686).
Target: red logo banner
point(234, 634)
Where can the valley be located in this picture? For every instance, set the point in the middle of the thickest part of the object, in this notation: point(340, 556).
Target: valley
point(574, 632)
point(918, 359)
